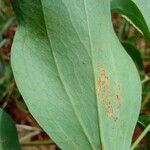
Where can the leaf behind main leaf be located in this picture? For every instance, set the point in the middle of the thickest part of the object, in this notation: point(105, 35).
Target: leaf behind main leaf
point(137, 11)
point(8, 133)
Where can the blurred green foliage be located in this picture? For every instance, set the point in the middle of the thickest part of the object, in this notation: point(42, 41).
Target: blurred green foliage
point(6, 19)
point(8, 90)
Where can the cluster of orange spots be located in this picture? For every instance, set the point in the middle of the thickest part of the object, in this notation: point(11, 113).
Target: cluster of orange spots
point(102, 86)
point(102, 81)
point(105, 94)
point(110, 111)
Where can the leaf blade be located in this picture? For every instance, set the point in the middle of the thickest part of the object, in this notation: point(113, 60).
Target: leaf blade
point(8, 133)
point(60, 67)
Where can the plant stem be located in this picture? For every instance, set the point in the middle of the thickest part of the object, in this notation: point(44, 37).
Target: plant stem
point(36, 143)
point(145, 101)
point(146, 79)
point(2, 43)
point(140, 137)
point(8, 94)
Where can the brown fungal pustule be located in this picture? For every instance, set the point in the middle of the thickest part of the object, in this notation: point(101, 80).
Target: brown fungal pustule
point(102, 81)
point(117, 100)
point(115, 119)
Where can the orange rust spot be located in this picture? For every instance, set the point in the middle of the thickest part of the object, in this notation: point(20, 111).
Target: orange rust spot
point(103, 72)
point(102, 81)
point(99, 86)
point(110, 111)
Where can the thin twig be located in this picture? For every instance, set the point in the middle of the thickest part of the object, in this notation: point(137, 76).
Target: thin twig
point(9, 92)
point(146, 79)
point(147, 129)
point(145, 101)
point(28, 128)
point(29, 136)
point(2, 43)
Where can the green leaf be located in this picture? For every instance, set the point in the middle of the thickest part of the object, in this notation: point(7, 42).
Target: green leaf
point(1, 68)
point(8, 133)
point(6, 79)
point(137, 11)
point(76, 78)
point(135, 54)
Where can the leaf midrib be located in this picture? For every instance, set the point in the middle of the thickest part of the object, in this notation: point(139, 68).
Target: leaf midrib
point(91, 47)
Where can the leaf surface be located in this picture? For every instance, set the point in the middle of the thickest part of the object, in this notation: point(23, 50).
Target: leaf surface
point(8, 133)
point(76, 78)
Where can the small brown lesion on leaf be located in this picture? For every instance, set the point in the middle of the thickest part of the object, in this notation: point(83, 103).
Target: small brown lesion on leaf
point(102, 81)
point(110, 112)
point(108, 95)
point(118, 101)
point(115, 119)
point(101, 147)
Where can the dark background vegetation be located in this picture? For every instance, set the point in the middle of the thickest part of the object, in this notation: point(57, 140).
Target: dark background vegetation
point(30, 135)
